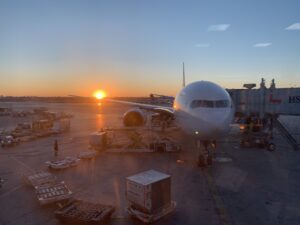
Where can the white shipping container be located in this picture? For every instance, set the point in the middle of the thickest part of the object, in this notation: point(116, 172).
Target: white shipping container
point(149, 190)
point(98, 139)
point(65, 124)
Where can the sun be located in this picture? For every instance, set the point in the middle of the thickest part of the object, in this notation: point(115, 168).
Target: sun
point(99, 94)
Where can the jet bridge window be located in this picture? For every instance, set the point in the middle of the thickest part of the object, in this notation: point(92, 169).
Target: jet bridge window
point(209, 104)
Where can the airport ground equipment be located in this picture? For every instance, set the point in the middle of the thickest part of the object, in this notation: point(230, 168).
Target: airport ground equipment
point(267, 103)
point(1, 182)
point(87, 154)
point(257, 133)
point(84, 213)
point(258, 139)
point(165, 145)
point(5, 111)
point(151, 217)
point(53, 193)
point(141, 140)
point(8, 141)
point(98, 140)
point(62, 125)
point(42, 125)
point(263, 101)
point(285, 133)
point(149, 195)
point(63, 164)
point(136, 140)
point(42, 178)
point(149, 192)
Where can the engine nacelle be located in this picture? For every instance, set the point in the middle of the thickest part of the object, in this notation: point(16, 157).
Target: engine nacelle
point(134, 118)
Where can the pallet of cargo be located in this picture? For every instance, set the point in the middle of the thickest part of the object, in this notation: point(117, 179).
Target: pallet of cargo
point(63, 164)
point(40, 179)
point(53, 193)
point(151, 217)
point(81, 213)
point(87, 154)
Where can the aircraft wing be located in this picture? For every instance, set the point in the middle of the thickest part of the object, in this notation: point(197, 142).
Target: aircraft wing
point(149, 107)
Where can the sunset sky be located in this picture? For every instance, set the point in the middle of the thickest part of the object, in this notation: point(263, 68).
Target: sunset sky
point(135, 47)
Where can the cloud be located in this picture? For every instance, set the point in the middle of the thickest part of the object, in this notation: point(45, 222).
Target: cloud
point(219, 27)
point(294, 26)
point(262, 45)
point(202, 45)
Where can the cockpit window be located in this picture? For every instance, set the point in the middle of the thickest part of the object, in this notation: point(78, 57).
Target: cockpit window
point(209, 104)
point(222, 103)
point(202, 103)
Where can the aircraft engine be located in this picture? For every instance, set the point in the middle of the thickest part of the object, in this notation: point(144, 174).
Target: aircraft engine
point(134, 118)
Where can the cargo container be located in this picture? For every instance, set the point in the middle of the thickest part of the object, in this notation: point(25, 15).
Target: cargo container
point(98, 140)
point(87, 154)
point(149, 191)
point(62, 125)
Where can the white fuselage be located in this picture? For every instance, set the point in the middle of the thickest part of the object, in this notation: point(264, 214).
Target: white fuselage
point(204, 109)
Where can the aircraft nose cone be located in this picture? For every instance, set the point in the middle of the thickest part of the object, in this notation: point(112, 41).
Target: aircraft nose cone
point(214, 124)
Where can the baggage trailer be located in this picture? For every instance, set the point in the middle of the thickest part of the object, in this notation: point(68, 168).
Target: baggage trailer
point(151, 217)
point(84, 213)
point(87, 154)
point(40, 179)
point(54, 193)
point(67, 162)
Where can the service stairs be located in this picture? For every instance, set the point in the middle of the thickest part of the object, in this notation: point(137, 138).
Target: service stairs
point(285, 133)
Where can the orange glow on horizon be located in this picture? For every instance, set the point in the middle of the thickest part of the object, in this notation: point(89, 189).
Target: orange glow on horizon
point(99, 94)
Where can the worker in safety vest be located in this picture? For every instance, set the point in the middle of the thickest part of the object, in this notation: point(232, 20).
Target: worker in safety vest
point(55, 148)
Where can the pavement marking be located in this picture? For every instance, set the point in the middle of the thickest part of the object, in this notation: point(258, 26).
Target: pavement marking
point(11, 191)
point(21, 163)
point(220, 206)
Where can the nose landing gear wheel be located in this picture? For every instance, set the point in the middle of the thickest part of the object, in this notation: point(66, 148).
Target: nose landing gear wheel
point(209, 160)
point(201, 161)
point(271, 147)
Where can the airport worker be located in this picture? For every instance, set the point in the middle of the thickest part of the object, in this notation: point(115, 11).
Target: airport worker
point(55, 148)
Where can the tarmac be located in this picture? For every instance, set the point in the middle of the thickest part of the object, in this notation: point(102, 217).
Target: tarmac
point(242, 187)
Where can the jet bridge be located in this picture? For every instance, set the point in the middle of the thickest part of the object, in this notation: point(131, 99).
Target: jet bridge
point(269, 103)
point(263, 101)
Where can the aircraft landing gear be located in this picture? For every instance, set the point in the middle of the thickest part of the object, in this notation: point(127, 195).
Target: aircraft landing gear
point(205, 157)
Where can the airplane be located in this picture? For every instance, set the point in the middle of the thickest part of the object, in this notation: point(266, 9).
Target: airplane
point(202, 109)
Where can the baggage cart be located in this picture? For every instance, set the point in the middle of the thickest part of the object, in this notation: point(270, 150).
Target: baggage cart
point(63, 164)
point(87, 154)
point(84, 213)
point(54, 193)
point(40, 179)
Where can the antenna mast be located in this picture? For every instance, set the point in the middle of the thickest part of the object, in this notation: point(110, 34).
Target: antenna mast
point(183, 75)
